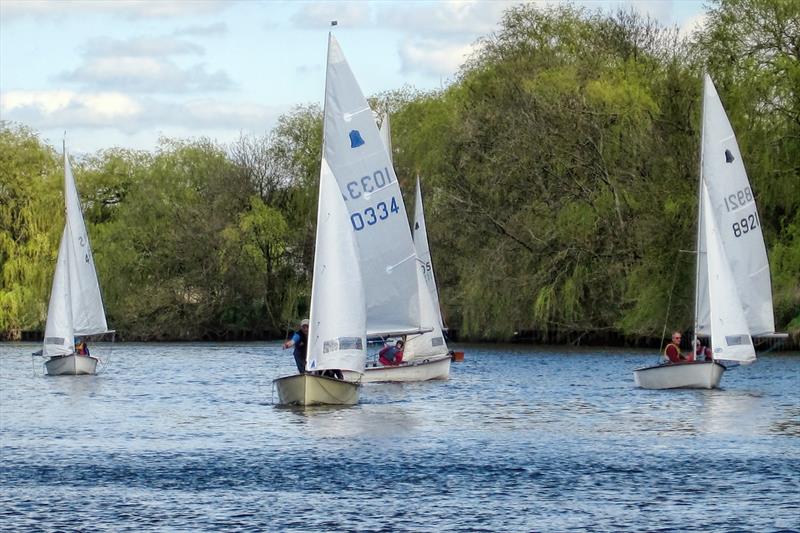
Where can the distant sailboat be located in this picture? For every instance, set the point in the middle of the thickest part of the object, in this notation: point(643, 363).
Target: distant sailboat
point(76, 307)
point(733, 297)
point(337, 329)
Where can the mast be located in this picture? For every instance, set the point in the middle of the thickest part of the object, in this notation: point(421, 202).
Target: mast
point(699, 212)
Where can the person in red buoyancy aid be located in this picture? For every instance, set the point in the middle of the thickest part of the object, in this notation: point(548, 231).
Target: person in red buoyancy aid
point(392, 355)
point(673, 350)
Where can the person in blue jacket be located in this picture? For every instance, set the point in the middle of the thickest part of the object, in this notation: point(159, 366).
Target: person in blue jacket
point(300, 343)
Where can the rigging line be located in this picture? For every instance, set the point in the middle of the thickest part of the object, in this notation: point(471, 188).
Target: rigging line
point(669, 305)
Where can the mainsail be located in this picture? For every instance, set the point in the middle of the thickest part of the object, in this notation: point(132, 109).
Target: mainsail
point(730, 337)
point(337, 329)
point(733, 209)
point(367, 181)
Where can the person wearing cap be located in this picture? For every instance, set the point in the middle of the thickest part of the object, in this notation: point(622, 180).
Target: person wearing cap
point(300, 342)
point(392, 355)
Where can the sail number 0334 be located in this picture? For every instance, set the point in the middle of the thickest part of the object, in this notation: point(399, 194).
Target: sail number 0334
point(371, 215)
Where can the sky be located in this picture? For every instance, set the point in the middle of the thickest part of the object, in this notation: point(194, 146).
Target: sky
point(125, 72)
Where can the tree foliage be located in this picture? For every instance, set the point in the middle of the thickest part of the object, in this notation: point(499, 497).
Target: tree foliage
point(559, 173)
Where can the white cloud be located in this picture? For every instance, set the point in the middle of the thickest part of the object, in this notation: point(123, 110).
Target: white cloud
point(132, 9)
point(219, 28)
point(693, 24)
point(65, 107)
point(140, 46)
point(459, 19)
point(146, 74)
point(120, 112)
point(434, 57)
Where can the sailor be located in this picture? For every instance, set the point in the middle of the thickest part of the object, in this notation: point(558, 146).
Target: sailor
point(300, 342)
point(392, 355)
point(673, 350)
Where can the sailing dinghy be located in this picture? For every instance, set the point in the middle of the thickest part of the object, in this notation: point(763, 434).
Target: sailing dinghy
point(337, 326)
point(425, 356)
point(733, 296)
point(363, 170)
point(76, 307)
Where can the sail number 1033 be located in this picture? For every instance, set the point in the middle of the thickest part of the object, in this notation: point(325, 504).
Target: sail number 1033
point(372, 215)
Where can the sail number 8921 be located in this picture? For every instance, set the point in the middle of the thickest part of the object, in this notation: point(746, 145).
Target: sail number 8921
point(750, 222)
point(372, 215)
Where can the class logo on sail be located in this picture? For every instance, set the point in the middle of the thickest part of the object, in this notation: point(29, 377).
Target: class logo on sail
point(355, 139)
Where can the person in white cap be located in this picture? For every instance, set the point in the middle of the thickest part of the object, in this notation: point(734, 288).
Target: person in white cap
point(300, 342)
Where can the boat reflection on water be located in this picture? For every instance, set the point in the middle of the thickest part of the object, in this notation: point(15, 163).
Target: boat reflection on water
point(733, 412)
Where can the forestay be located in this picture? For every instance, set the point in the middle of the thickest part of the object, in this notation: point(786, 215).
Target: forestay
point(337, 329)
point(733, 209)
point(360, 164)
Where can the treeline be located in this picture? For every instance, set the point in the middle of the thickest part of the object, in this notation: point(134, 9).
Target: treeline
point(560, 175)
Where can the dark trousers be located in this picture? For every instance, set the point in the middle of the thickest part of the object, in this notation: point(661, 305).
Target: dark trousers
point(300, 361)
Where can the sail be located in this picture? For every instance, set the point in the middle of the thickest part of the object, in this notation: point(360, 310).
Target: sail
point(386, 136)
point(58, 332)
point(733, 208)
point(730, 338)
point(377, 216)
point(337, 329)
point(424, 254)
point(88, 315)
point(431, 342)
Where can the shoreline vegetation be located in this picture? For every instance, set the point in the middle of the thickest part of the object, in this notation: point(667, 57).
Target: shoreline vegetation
point(560, 173)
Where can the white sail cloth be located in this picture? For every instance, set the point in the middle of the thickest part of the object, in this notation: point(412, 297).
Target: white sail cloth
point(733, 209)
point(730, 337)
point(337, 329)
point(360, 163)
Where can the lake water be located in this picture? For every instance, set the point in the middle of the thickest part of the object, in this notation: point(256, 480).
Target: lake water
point(183, 437)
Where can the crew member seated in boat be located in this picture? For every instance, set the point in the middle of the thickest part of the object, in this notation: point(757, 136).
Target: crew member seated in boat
point(673, 350)
point(702, 352)
point(392, 355)
point(334, 373)
point(81, 348)
point(300, 342)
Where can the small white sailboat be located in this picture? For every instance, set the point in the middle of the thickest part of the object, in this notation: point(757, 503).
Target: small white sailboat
point(425, 356)
point(76, 306)
point(733, 296)
point(337, 329)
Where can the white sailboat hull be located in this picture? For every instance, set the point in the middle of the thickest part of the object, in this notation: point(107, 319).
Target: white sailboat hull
point(71, 365)
point(307, 389)
point(689, 375)
point(434, 367)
